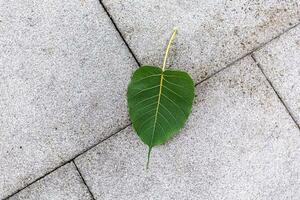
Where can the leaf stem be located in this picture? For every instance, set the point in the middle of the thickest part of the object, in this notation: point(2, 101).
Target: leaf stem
point(148, 161)
point(168, 48)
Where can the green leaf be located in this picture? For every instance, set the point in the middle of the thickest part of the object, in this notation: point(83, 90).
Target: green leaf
point(159, 102)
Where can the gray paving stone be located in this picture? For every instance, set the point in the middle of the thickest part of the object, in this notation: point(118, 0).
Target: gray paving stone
point(63, 77)
point(211, 33)
point(280, 61)
point(239, 143)
point(62, 184)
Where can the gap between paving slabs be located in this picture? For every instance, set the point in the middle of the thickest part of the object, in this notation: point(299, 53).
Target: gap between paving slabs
point(80, 174)
point(277, 94)
point(122, 128)
point(118, 30)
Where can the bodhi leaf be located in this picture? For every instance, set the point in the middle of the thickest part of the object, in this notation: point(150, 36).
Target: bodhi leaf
point(159, 102)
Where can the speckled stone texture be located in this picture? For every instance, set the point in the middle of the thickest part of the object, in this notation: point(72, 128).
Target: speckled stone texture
point(280, 61)
point(63, 77)
point(211, 33)
point(62, 184)
point(239, 143)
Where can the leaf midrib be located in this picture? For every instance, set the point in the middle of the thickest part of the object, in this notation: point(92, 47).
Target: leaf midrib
point(157, 107)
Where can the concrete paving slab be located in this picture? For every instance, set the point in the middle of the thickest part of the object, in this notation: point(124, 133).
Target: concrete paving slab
point(280, 61)
point(211, 33)
point(63, 184)
point(239, 143)
point(64, 71)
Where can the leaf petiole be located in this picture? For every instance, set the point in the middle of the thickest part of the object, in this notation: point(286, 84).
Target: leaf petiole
point(148, 161)
point(168, 48)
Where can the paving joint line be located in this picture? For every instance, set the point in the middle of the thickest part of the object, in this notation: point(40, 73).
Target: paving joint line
point(120, 33)
point(46, 174)
point(205, 79)
point(83, 180)
point(249, 53)
point(66, 162)
point(277, 94)
point(222, 69)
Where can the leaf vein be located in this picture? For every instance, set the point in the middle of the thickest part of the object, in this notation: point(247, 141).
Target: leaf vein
point(164, 132)
point(174, 104)
point(152, 75)
point(146, 89)
point(164, 118)
point(145, 122)
point(144, 114)
point(170, 82)
point(146, 106)
point(168, 111)
point(175, 76)
point(145, 100)
point(175, 93)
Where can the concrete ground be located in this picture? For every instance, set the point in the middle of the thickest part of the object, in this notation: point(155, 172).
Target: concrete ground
point(64, 127)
